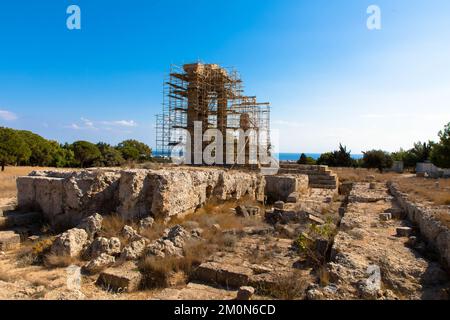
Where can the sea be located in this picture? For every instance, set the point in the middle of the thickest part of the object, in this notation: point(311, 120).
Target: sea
point(284, 156)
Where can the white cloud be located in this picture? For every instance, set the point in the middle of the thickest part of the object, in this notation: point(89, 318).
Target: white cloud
point(7, 115)
point(121, 123)
point(87, 124)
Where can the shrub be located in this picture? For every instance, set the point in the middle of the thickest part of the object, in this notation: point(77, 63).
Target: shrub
point(56, 261)
point(110, 157)
point(377, 159)
point(13, 148)
point(338, 158)
point(306, 160)
point(86, 153)
point(35, 253)
point(440, 153)
point(135, 150)
point(288, 287)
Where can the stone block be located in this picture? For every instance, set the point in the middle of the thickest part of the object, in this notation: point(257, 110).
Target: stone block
point(245, 293)
point(279, 205)
point(224, 274)
point(293, 198)
point(315, 220)
point(125, 278)
point(404, 231)
point(280, 187)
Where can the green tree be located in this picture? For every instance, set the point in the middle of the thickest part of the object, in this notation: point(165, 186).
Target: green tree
point(85, 153)
point(342, 157)
point(63, 156)
point(42, 150)
point(134, 150)
point(13, 149)
point(338, 158)
point(440, 153)
point(111, 157)
point(419, 153)
point(306, 160)
point(377, 159)
point(326, 159)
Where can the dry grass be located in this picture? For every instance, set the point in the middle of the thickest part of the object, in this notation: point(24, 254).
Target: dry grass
point(287, 287)
point(33, 253)
point(419, 189)
point(360, 174)
point(5, 275)
point(158, 272)
point(8, 180)
point(112, 225)
point(56, 261)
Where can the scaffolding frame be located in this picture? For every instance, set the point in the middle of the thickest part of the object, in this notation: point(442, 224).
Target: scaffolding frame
point(213, 95)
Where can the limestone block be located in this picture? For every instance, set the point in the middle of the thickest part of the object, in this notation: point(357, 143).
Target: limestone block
point(125, 278)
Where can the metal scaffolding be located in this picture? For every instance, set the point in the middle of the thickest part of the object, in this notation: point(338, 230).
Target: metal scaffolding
point(212, 95)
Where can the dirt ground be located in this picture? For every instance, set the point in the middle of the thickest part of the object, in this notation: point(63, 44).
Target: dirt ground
point(8, 190)
point(420, 189)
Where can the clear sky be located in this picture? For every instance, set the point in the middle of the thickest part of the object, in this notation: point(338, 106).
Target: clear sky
point(328, 77)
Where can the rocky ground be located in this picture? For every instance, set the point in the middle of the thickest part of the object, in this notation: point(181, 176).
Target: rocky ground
point(251, 252)
point(378, 255)
point(316, 245)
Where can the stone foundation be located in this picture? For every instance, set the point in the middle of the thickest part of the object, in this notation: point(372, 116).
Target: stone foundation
point(283, 186)
point(434, 231)
point(66, 197)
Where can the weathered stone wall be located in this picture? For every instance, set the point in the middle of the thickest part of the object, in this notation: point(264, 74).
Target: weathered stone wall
point(282, 186)
point(425, 217)
point(67, 197)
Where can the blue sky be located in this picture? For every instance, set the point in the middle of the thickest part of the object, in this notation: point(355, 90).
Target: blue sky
point(328, 77)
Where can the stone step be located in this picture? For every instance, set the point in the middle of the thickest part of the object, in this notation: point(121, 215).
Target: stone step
point(230, 276)
point(322, 186)
point(323, 181)
point(18, 219)
point(307, 172)
point(304, 167)
point(9, 240)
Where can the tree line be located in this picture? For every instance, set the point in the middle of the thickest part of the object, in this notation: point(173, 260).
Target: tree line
point(436, 152)
point(21, 147)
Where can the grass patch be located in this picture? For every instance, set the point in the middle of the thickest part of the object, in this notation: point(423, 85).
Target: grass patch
point(360, 174)
point(419, 189)
point(55, 261)
point(287, 287)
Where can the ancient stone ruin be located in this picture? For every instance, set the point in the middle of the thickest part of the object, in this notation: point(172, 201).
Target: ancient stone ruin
point(212, 97)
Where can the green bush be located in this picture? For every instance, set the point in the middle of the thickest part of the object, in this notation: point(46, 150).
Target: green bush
point(419, 153)
point(13, 148)
point(134, 150)
point(440, 152)
point(377, 159)
point(85, 153)
point(338, 158)
point(306, 160)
